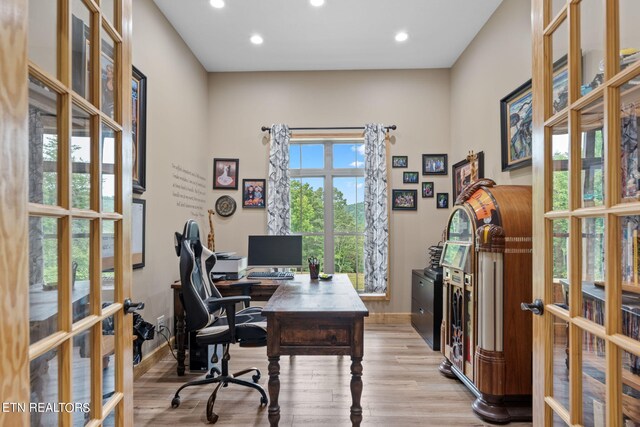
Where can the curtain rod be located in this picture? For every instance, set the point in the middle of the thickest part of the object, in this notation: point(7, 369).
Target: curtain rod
point(392, 127)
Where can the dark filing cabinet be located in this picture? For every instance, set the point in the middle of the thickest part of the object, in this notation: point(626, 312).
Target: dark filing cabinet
point(426, 304)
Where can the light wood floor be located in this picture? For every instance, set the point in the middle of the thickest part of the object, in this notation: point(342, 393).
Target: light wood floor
point(402, 387)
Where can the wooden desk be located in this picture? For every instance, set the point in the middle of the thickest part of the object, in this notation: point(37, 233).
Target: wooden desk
point(261, 292)
point(311, 317)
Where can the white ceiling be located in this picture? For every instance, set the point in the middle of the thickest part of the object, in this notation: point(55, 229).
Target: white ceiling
point(341, 35)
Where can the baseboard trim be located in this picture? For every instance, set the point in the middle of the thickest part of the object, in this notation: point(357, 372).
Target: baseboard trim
point(152, 358)
point(388, 318)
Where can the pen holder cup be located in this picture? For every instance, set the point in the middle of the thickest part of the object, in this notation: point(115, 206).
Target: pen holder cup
point(314, 270)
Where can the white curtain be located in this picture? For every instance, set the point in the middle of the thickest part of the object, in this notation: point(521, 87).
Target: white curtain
point(376, 235)
point(278, 215)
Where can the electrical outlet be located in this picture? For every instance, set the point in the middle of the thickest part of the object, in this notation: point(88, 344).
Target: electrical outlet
point(160, 323)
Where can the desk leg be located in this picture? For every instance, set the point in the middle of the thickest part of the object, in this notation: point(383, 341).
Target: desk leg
point(178, 311)
point(356, 391)
point(274, 390)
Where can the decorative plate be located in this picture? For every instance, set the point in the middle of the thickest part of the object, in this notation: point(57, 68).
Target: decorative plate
point(225, 206)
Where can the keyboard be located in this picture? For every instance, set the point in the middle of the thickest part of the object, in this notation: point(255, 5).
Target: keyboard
point(277, 275)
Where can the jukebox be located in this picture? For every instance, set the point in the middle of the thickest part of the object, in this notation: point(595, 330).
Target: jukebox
point(486, 337)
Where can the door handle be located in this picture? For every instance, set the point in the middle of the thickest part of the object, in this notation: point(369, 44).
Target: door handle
point(536, 307)
point(130, 307)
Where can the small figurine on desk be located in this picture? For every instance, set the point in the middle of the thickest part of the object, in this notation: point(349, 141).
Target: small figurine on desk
point(472, 158)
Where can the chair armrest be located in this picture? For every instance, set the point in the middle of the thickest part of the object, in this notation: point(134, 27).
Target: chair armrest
point(229, 303)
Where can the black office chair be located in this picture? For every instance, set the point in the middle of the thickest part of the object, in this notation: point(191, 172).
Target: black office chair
point(214, 318)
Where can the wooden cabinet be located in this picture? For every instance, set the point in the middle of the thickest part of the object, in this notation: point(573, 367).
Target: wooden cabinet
point(426, 305)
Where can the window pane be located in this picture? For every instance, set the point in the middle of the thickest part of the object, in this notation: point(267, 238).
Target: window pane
point(81, 159)
point(108, 148)
point(43, 143)
point(81, 49)
point(81, 256)
point(629, 34)
point(560, 39)
point(312, 247)
point(592, 44)
point(43, 372)
point(630, 269)
point(593, 380)
point(108, 9)
point(593, 295)
point(556, 6)
point(629, 164)
point(108, 359)
point(108, 68)
point(560, 256)
point(347, 208)
point(560, 361)
point(312, 156)
point(81, 386)
point(43, 34)
point(108, 265)
point(560, 160)
point(294, 156)
point(348, 155)
point(43, 277)
point(307, 205)
point(592, 149)
point(630, 389)
point(348, 258)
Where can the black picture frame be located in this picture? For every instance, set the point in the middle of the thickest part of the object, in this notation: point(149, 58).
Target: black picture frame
point(399, 161)
point(516, 111)
point(139, 130)
point(404, 200)
point(434, 164)
point(461, 174)
point(138, 232)
point(427, 189)
point(250, 197)
point(225, 174)
point(410, 178)
point(442, 201)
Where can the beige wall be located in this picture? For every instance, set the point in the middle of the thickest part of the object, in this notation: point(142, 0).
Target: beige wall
point(417, 101)
point(495, 63)
point(177, 133)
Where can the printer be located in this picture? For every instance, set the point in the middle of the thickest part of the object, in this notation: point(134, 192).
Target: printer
point(232, 267)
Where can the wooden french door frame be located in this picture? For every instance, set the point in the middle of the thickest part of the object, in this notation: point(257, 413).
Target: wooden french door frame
point(545, 407)
point(15, 351)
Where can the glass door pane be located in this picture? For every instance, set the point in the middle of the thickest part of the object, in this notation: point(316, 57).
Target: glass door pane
point(108, 68)
point(81, 49)
point(43, 35)
point(592, 44)
point(593, 269)
point(592, 149)
point(629, 154)
point(81, 159)
point(593, 380)
point(560, 167)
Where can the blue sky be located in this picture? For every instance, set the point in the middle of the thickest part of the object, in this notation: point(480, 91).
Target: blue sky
point(347, 155)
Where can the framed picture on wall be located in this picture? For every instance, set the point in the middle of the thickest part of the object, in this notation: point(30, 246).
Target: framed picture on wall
point(399, 161)
point(139, 129)
point(461, 173)
point(410, 177)
point(516, 109)
point(427, 189)
point(404, 200)
point(254, 193)
point(434, 164)
point(442, 201)
point(225, 174)
point(138, 212)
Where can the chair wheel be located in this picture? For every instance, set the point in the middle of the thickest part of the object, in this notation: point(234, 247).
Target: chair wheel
point(175, 402)
point(256, 378)
point(264, 401)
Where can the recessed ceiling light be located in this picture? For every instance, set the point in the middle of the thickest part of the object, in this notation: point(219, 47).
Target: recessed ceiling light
point(316, 3)
point(218, 4)
point(256, 39)
point(402, 36)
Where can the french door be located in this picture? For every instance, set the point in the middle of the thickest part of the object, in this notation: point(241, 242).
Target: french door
point(65, 109)
point(586, 183)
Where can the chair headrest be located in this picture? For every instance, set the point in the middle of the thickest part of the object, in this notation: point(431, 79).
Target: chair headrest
point(191, 232)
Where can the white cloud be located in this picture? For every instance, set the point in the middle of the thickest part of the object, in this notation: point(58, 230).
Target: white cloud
point(356, 164)
point(359, 148)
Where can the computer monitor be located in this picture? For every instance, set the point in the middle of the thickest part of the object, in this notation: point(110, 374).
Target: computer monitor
point(275, 251)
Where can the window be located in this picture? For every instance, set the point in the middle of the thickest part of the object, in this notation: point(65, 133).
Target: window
point(327, 204)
